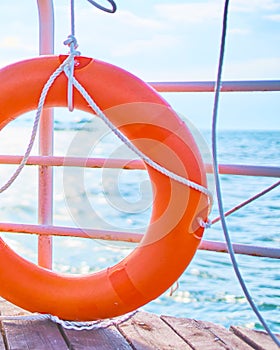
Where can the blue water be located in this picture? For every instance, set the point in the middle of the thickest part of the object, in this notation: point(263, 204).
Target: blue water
point(208, 290)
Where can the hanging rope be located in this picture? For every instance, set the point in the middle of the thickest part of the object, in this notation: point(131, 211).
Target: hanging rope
point(217, 179)
point(73, 45)
point(71, 41)
point(69, 72)
point(68, 67)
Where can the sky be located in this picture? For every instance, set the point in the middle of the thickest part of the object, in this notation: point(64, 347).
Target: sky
point(164, 40)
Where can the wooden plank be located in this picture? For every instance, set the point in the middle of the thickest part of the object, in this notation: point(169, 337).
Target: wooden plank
point(147, 331)
point(227, 337)
point(204, 335)
point(142, 331)
point(26, 334)
point(33, 335)
point(2, 344)
point(257, 339)
point(102, 339)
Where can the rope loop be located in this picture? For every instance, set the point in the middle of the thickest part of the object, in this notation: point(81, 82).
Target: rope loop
point(103, 8)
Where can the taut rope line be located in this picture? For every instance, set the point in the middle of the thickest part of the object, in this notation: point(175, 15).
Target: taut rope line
point(217, 180)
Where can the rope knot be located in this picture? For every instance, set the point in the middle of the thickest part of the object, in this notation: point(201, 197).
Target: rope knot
point(71, 41)
point(204, 224)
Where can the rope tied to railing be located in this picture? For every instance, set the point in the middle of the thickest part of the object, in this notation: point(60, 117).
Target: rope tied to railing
point(66, 67)
point(40, 106)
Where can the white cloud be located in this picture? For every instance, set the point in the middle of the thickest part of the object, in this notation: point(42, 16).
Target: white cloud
point(10, 42)
point(153, 44)
point(254, 5)
point(275, 17)
point(239, 31)
point(132, 20)
point(15, 42)
point(259, 68)
point(124, 34)
point(14, 49)
point(193, 12)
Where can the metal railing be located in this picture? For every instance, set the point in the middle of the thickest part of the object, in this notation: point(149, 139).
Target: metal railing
point(46, 161)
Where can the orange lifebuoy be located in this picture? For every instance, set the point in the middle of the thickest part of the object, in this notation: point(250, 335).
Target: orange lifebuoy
point(173, 234)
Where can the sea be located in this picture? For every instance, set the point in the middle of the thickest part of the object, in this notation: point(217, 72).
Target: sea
point(121, 200)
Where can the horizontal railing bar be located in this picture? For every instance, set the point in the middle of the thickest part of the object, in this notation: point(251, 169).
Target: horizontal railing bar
point(244, 249)
point(63, 231)
point(76, 162)
point(247, 170)
point(208, 86)
point(133, 164)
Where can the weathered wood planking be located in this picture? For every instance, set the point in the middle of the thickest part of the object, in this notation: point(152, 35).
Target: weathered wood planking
point(142, 331)
point(257, 339)
point(102, 339)
point(205, 335)
point(147, 331)
point(2, 345)
point(29, 335)
point(33, 335)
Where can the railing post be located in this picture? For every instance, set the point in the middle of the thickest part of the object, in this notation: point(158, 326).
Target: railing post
point(45, 190)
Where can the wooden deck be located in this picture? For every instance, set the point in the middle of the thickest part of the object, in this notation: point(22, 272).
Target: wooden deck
point(142, 331)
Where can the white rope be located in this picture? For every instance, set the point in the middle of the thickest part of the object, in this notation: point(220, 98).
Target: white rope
point(69, 72)
point(78, 326)
point(130, 145)
point(36, 123)
point(69, 69)
point(66, 66)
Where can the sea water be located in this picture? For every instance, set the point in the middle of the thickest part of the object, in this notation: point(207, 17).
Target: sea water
point(121, 200)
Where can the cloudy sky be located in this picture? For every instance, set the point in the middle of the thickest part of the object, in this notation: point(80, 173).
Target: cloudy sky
point(161, 40)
